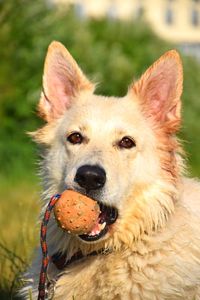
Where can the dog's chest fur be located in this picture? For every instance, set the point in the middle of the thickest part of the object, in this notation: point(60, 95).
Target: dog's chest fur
point(127, 276)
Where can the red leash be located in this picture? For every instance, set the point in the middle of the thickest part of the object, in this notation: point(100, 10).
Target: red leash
point(45, 257)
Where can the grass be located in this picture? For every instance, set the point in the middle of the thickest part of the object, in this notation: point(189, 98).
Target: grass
point(18, 232)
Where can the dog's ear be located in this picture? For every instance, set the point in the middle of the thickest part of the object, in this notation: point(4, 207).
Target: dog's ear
point(159, 91)
point(62, 81)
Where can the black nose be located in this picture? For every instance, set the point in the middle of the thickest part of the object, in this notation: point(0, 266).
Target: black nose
point(90, 177)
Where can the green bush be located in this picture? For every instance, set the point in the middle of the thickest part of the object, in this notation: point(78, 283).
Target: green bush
point(109, 52)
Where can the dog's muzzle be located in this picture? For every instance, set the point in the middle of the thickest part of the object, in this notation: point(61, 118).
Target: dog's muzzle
point(93, 178)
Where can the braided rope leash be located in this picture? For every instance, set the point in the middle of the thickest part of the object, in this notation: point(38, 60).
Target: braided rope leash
point(45, 257)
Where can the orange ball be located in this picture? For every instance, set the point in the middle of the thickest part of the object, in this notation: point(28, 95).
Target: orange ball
point(76, 213)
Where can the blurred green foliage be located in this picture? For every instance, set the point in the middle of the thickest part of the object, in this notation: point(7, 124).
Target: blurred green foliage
point(109, 52)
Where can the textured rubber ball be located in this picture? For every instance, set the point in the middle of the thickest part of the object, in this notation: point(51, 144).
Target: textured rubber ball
point(76, 213)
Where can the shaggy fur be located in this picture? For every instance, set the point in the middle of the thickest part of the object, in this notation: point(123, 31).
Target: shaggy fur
point(152, 251)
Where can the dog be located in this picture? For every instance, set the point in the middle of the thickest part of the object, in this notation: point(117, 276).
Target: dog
point(123, 153)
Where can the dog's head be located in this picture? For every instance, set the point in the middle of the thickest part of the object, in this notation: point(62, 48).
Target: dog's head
point(120, 151)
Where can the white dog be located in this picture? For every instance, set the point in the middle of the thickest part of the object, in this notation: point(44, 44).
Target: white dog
point(123, 153)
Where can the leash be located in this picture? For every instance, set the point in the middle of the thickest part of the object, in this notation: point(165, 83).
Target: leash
point(45, 257)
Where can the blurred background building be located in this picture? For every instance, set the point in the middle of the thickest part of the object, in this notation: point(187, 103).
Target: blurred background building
point(177, 21)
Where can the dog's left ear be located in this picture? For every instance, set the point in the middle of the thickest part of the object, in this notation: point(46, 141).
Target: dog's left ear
point(159, 91)
point(62, 81)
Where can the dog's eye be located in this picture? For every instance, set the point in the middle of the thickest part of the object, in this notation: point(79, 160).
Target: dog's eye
point(75, 138)
point(126, 142)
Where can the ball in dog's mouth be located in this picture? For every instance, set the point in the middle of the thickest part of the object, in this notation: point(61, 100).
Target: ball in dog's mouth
point(108, 215)
point(83, 216)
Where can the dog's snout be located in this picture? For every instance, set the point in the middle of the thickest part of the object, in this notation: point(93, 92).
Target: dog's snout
point(91, 177)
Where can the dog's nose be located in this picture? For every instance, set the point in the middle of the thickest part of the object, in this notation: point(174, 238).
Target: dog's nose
point(90, 177)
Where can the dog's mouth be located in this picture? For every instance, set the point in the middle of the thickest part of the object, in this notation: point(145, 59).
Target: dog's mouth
point(107, 217)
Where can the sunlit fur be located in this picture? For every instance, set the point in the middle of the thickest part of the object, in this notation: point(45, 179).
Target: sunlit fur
point(154, 246)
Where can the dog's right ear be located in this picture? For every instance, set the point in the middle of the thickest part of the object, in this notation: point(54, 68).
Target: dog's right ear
point(62, 81)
